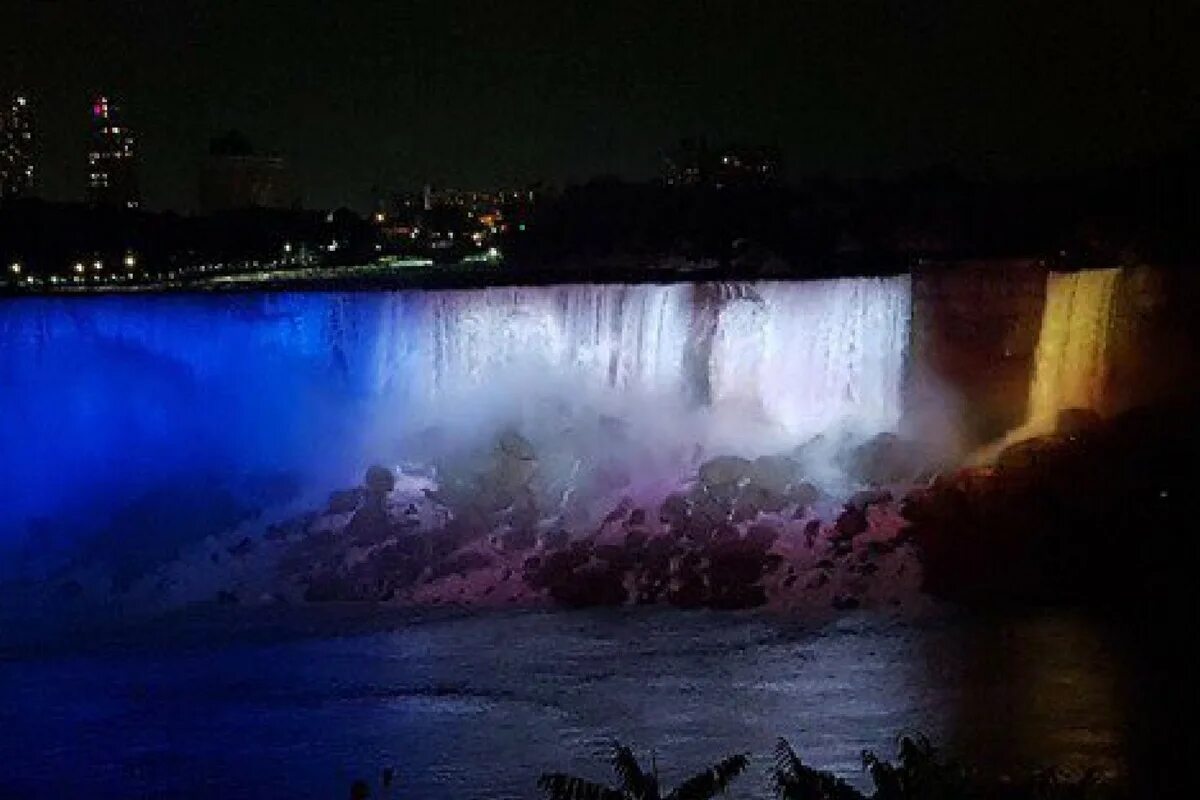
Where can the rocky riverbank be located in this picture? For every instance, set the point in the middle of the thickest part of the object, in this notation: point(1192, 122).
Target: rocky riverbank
point(736, 533)
point(1096, 512)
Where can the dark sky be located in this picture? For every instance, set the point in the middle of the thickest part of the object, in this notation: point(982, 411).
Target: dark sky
point(360, 93)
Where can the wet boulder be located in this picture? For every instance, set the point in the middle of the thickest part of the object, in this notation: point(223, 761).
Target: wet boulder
point(674, 510)
point(1029, 455)
point(884, 459)
point(379, 480)
point(345, 501)
point(462, 564)
point(762, 537)
point(555, 539)
point(850, 523)
point(518, 540)
point(590, 587)
point(804, 494)
point(862, 500)
point(724, 471)
point(1077, 421)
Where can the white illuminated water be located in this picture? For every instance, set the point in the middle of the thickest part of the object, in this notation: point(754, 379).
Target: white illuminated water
point(103, 399)
point(814, 357)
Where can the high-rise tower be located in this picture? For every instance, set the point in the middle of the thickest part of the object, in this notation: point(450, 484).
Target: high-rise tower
point(112, 167)
point(17, 147)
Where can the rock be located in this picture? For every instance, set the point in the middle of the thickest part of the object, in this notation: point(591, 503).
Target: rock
point(1076, 421)
point(345, 501)
point(749, 507)
point(1029, 454)
point(518, 540)
point(845, 602)
point(462, 564)
point(379, 480)
point(724, 533)
point(637, 516)
point(884, 459)
point(850, 523)
point(762, 537)
point(591, 587)
point(861, 500)
point(674, 510)
point(775, 474)
point(709, 511)
point(636, 539)
point(812, 529)
point(804, 494)
point(555, 539)
point(621, 512)
point(817, 581)
point(370, 523)
point(724, 471)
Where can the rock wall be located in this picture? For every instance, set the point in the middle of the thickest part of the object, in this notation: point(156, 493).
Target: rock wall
point(975, 329)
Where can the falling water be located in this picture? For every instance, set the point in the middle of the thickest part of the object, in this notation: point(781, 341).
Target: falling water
point(102, 399)
point(1071, 363)
point(814, 357)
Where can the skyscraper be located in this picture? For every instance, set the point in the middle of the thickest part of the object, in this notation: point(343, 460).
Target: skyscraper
point(112, 167)
point(17, 143)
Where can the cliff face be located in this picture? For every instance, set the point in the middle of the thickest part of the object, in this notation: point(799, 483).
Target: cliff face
point(975, 329)
point(997, 349)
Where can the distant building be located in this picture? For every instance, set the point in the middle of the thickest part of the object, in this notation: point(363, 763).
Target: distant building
point(17, 148)
point(236, 177)
point(112, 165)
point(694, 163)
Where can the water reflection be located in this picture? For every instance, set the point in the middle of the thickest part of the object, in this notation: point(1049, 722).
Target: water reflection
point(522, 693)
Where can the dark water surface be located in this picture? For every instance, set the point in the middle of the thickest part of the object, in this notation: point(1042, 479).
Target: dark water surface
point(478, 706)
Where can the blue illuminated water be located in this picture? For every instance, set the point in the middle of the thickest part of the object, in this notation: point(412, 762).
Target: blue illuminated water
point(122, 414)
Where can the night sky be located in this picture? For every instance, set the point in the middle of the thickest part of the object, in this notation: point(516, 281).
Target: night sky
point(361, 94)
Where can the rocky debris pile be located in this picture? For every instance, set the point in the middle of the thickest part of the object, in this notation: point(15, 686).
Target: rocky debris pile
point(740, 533)
point(1093, 512)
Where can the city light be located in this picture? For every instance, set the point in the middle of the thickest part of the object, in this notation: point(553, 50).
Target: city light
point(130, 260)
point(97, 265)
point(78, 266)
point(15, 268)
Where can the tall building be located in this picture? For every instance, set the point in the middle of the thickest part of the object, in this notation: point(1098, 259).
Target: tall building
point(17, 148)
point(112, 166)
point(236, 177)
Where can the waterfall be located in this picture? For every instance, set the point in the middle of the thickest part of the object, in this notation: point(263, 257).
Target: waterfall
point(816, 356)
point(1071, 363)
point(103, 399)
point(628, 338)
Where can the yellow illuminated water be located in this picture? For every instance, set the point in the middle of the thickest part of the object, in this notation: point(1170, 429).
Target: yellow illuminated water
point(1071, 361)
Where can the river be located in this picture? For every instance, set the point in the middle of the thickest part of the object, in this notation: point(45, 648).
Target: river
point(478, 705)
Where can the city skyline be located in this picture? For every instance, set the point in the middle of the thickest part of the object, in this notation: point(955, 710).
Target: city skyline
point(363, 98)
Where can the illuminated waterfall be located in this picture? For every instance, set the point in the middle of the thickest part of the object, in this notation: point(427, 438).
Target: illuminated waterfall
point(104, 399)
point(627, 338)
point(814, 357)
point(1071, 358)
